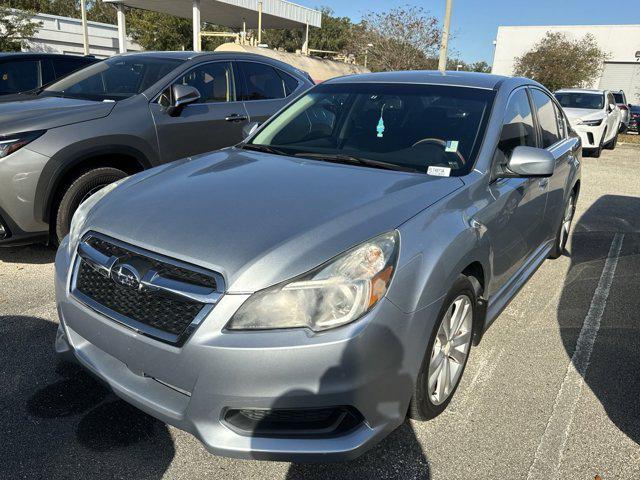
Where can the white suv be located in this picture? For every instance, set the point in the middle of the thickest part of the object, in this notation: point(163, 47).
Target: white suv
point(594, 115)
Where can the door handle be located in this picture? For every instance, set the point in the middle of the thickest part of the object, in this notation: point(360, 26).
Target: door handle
point(234, 117)
point(543, 184)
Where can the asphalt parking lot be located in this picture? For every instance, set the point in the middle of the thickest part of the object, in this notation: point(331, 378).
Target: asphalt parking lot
point(550, 393)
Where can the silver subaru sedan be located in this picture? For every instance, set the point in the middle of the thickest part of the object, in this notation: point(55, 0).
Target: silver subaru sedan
point(295, 297)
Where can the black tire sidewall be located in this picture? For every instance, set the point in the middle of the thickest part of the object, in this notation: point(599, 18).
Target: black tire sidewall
point(421, 407)
point(558, 250)
point(76, 191)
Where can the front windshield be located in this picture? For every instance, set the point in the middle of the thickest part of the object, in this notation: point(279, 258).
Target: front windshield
point(115, 79)
point(408, 126)
point(590, 101)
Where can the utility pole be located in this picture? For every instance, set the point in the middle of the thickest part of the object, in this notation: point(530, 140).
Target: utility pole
point(85, 28)
point(259, 22)
point(442, 64)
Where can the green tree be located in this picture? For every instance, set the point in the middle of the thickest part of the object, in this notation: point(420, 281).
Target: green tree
point(16, 27)
point(404, 38)
point(558, 61)
point(159, 31)
point(334, 35)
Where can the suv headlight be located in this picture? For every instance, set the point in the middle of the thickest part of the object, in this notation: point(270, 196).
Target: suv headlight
point(590, 123)
point(12, 143)
point(334, 294)
point(80, 215)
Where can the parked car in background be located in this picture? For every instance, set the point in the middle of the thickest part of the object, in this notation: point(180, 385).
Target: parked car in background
point(621, 101)
point(634, 118)
point(594, 115)
point(22, 72)
point(293, 297)
point(120, 116)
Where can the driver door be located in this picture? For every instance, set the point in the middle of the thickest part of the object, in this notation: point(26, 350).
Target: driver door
point(514, 215)
point(214, 122)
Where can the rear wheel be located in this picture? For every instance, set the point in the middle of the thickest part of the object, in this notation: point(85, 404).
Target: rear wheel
point(447, 352)
point(565, 228)
point(78, 191)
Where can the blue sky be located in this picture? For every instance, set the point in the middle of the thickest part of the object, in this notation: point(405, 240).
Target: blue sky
point(475, 22)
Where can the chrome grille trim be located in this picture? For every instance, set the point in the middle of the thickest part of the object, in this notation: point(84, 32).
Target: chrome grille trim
point(152, 282)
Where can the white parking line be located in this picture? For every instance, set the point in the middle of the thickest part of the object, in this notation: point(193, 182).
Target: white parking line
point(548, 457)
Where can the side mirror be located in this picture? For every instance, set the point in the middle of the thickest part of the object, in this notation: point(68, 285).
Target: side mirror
point(249, 128)
point(182, 95)
point(611, 107)
point(529, 162)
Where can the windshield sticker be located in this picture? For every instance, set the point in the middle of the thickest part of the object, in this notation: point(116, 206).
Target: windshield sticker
point(452, 146)
point(439, 171)
point(380, 128)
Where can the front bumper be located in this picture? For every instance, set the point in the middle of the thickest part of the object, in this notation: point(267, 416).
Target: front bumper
point(590, 136)
point(19, 174)
point(369, 366)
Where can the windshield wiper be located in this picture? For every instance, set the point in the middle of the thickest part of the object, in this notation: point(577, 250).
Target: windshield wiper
point(355, 160)
point(262, 148)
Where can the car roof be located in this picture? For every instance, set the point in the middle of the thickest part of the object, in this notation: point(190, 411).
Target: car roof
point(427, 77)
point(580, 90)
point(8, 55)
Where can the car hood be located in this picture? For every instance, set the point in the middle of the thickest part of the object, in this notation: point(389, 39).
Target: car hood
point(42, 113)
point(258, 218)
point(583, 114)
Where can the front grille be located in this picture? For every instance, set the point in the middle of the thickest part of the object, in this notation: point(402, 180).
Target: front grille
point(164, 313)
point(167, 313)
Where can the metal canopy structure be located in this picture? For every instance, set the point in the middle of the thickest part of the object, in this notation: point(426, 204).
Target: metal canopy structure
point(230, 13)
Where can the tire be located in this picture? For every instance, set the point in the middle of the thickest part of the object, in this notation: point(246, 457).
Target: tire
point(596, 153)
point(565, 228)
point(81, 188)
point(424, 402)
point(612, 144)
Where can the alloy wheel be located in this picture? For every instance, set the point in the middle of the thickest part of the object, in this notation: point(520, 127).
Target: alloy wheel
point(450, 350)
point(566, 222)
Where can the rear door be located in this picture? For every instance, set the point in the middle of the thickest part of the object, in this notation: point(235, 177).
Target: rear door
point(554, 137)
point(214, 122)
point(264, 89)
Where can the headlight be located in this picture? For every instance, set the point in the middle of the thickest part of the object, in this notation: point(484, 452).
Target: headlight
point(80, 215)
point(334, 294)
point(12, 143)
point(590, 123)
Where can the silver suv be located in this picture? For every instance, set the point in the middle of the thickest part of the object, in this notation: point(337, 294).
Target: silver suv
point(119, 117)
point(295, 296)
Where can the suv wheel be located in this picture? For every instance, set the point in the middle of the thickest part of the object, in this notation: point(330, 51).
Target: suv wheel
point(612, 144)
point(80, 189)
point(596, 153)
point(447, 352)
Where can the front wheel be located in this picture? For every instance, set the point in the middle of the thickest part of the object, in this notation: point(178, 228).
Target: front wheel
point(565, 228)
point(80, 189)
point(447, 352)
point(612, 144)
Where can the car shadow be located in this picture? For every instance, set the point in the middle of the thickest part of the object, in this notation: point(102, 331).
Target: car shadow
point(60, 422)
point(613, 372)
point(398, 456)
point(36, 254)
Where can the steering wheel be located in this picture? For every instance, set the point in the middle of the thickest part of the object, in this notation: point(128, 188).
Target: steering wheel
point(438, 141)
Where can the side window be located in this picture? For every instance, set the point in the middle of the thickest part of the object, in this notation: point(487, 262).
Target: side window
point(214, 81)
point(562, 126)
point(290, 83)
point(19, 76)
point(48, 73)
point(262, 82)
point(546, 117)
point(517, 128)
point(64, 66)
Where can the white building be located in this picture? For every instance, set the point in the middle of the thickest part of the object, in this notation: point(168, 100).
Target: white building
point(621, 71)
point(64, 35)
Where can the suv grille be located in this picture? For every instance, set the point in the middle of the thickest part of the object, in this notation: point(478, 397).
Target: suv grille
point(159, 297)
